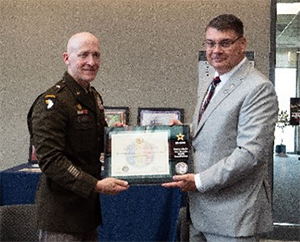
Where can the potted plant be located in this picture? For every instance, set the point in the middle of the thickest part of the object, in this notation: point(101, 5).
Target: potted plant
point(282, 123)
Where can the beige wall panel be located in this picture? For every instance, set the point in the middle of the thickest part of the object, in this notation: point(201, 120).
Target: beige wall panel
point(149, 53)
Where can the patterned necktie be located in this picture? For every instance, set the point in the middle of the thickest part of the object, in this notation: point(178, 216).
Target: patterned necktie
point(208, 96)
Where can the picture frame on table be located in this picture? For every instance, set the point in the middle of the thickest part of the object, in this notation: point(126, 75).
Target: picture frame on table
point(294, 110)
point(32, 159)
point(116, 114)
point(148, 116)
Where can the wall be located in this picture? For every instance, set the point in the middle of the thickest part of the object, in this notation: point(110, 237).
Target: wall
point(149, 53)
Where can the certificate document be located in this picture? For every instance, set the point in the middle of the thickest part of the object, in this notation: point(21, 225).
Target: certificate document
point(146, 154)
point(140, 153)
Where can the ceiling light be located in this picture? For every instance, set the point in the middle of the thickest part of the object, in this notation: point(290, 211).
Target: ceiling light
point(288, 8)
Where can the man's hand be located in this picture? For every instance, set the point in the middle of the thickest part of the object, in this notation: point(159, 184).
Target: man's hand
point(185, 182)
point(175, 122)
point(119, 124)
point(111, 186)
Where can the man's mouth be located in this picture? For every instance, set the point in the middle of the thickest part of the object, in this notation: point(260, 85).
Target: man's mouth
point(89, 70)
point(217, 59)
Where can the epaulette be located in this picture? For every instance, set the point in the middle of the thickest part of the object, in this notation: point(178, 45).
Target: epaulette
point(50, 94)
point(58, 87)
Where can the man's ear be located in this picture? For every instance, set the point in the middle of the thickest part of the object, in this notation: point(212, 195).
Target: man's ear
point(244, 42)
point(66, 58)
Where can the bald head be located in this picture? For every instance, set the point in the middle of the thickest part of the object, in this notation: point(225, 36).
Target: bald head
point(78, 39)
point(83, 57)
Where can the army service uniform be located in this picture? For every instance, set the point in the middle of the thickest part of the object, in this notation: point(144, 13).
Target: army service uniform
point(66, 124)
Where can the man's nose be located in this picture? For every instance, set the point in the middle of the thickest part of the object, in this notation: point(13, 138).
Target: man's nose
point(92, 60)
point(217, 48)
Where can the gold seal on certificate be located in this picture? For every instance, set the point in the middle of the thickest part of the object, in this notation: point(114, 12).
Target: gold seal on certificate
point(146, 154)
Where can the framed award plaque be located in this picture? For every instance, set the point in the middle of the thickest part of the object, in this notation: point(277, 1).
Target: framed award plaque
point(294, 111)
point(159, 116)
point(146, 154)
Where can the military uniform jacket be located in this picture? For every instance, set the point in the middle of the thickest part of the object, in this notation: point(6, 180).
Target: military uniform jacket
point(66, 124)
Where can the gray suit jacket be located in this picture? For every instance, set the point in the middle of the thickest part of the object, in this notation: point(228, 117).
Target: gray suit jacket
point(233, 146)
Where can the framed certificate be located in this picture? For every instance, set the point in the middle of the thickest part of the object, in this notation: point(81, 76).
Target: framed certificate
point(159, 116)
point(32, 159)
point(146, 154)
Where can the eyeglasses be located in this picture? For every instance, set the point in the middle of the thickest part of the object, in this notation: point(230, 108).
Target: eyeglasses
point(226, 43)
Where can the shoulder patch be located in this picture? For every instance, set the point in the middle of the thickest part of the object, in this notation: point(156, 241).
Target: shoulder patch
point(50, 96)
point(49, 101)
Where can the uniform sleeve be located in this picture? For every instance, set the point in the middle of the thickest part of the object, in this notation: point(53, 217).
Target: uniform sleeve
point(49, 128)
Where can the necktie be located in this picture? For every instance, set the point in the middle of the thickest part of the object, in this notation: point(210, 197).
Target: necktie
point(208, 96)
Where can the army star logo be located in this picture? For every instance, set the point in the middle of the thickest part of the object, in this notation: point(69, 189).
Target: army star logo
point(180, 136)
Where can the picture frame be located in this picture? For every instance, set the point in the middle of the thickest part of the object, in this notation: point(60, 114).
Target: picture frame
point(116, 114)
point(32, 158)
point(294, 111)
point(146, 154)
point(158, 116)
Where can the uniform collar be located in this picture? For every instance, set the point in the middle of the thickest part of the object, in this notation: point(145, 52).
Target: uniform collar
point(78, 91)
point(74, 85)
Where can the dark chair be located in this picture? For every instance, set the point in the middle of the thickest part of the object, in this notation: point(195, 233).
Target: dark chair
point(183, 226)
point(17, 223)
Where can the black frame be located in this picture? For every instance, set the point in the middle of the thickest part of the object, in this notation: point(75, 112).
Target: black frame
point(32, 159)
point(294, 111)
point(159, 110)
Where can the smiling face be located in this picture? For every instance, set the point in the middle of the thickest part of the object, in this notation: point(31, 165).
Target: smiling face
point(83, 58)
point(224, 49)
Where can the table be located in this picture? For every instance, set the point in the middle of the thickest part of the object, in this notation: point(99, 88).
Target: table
point(143, 213)
point(18, 187)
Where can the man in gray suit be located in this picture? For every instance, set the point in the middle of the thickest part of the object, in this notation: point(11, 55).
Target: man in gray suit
point(229, 192)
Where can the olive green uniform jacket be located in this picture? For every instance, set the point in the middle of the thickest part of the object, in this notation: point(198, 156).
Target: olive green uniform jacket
point(66, 124)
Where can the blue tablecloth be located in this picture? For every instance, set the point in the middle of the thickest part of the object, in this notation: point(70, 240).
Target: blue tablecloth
point(143, 213)
point(18, 187)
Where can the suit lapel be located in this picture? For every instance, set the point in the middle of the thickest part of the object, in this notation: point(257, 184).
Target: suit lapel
point(233, 83)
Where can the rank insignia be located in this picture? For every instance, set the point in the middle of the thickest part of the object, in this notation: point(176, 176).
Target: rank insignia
point(79, 107)
point(99, 102)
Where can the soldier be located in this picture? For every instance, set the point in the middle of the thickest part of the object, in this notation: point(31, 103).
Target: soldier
point(66, 125)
